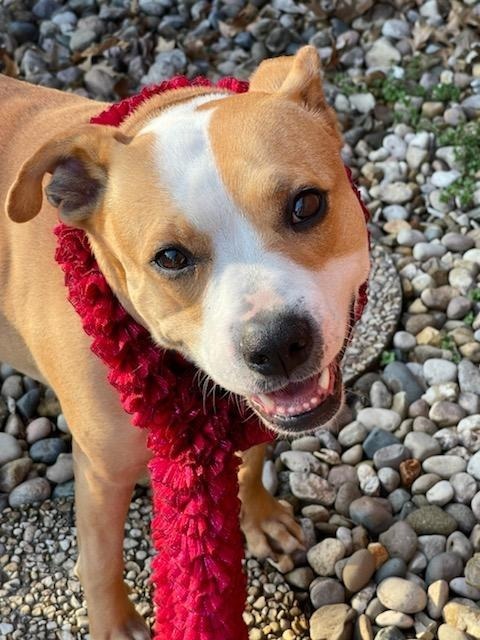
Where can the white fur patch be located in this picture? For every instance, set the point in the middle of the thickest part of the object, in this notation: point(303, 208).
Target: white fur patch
point(246, 277)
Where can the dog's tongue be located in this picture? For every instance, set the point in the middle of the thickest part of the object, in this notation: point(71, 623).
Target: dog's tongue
point(296, 397)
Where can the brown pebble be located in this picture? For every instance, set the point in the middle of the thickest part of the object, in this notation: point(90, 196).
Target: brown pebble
point(379, 553)
point(358, 570)
point(363, 628)
point(409, 471)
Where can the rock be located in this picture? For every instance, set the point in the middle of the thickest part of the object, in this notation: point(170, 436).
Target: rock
point(431, 520)
point(352, 434)
point(382, 54)
point(389, 479)
point(394, 619)
point(391, 456)
point(312, 488)
point(461, 587)
point(464, 487)
point(422, 445)
point(401, 595)
point(445, 466)
point(437, 371)
point(38, 429)
point(444, 566)
point(469, 377)
point(431, 545)
point(305, 443)
point(473, 467)
point(390, 633)
point(472, 571)
point(13, 473)
point(324, 591)
point(447, 632)
point(300, 578)
point(12, 387)
point(463, 618)
point(378, 439)
point(458, 308)
point(324, 555)
point(14, 426)
point(64, 490)
point(62, 470)
point(10, 449)
point(47, 450)
point(347, 493)
point(400, 540)
point(446, 413)
point(409, 471)
point(358, 570)
point(270, 477)
point(437, 598)
point(333, 622)
point(399, 378)
point(342, 473)
point(441, 493)
point(370, 513)
point(384, 419)
point(362, 102)
point(396, 29)
point(459, 543)
point(463, 515)
point(301, 461)
point(30, 491)
point(395, 567)
point(363, 628)
point(28, 403)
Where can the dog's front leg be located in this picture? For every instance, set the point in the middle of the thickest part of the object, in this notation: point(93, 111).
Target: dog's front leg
point(268, 524)
point(101, 505)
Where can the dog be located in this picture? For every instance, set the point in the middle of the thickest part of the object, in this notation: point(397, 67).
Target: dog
point(227, 226)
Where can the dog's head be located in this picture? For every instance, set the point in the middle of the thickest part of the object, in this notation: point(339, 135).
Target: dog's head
point(227, 226)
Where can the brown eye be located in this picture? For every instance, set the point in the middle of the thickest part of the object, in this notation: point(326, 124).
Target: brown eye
point(172, 259)
point(307, 205)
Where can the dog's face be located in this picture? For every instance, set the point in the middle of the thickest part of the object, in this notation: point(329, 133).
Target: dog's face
point(228, 227)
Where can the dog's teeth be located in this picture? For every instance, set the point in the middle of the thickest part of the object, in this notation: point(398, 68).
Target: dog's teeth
point(324, 381)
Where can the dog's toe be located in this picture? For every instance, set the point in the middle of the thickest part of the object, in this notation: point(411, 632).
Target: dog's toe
point(270, 527)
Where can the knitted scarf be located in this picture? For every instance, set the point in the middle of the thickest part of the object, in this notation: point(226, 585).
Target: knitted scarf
point(199, 585)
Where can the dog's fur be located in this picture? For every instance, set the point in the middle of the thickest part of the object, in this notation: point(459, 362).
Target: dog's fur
point(199, 168)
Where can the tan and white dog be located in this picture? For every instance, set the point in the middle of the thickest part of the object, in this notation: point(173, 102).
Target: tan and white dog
point(226, 225)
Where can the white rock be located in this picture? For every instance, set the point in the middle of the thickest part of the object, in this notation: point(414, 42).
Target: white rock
point(438, 371)
point(362, 102)
point(441, 493)
point(444, 179)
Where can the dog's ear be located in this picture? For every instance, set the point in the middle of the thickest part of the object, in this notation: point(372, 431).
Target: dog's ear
point(297, 77)
point(79, 167)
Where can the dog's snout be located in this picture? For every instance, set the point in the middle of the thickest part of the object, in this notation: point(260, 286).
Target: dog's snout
point(276, 344)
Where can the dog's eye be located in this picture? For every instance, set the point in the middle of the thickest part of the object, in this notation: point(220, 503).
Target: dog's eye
point(172, 259)
point(308, 204)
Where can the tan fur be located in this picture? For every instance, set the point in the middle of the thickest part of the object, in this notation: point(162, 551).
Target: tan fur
point(42, 336)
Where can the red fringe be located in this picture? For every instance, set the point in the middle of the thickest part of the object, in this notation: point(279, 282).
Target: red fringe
point(199, 583)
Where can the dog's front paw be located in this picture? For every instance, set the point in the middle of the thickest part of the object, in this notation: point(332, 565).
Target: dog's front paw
point(269, 526)
point(133, 628)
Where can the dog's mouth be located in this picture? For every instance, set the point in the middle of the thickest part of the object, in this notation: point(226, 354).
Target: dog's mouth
point(302, 406)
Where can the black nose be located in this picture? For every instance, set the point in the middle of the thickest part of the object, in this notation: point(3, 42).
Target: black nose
point(274, 344)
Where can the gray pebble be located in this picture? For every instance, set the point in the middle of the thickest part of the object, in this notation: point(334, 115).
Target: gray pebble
point(30, 491)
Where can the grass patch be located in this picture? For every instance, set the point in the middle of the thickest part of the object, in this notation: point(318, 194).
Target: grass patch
point(448, 343)
point(466, 140)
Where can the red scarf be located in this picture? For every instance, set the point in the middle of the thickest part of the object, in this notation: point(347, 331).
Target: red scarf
point(197, 573)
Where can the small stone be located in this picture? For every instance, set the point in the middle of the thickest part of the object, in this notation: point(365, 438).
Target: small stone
point(437, 598)
point(12, 387)
point(399, 378)
point(409, 471)
point(463, 515)
point(424, 483)
point(469, 377)
point(29, 492)
point(300, 578)
point(38, 429)
point(13, 473)
point(437, 371)
point(441, 493)
point(400, 540)
point(395, 567)
point(445, 466)
point(473, 467)
point(394, 619)
point(62, 470)
point(362, 102)
point(390, 633)
point(444, 566)
point(358, 570)
point(270, 477)
point(370, 513)
point(447, 632)
point(458, 308)
point(472, 571)
point(459, 543)
point(323, 556)
point(463, 618)
point(446, 413)
point(363, 628)
point(301, 461)
point(378, 439)
point(391, 456)
point(421, 445)
point(47, 450)
point(431, 520)
point(464, 487)
point(389, 478)
point(461, 587)
point(9, 448)
point(401, 595)
point(352, 434)
point(384, 419)
point(332, 622)
point(431, 545)
point(347, 493)
point(28, 403)
point(324, 591)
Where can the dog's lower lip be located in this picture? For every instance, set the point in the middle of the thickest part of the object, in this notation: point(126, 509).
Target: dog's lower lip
point(297, 398)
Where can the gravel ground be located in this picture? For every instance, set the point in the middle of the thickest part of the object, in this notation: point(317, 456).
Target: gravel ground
point(389, 501)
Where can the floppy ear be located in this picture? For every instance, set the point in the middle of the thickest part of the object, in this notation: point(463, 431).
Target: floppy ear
point(297, 78)
point(79, 167)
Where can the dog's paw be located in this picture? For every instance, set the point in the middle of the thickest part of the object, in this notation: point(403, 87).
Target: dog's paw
point(269, 526)
point(133, 628)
